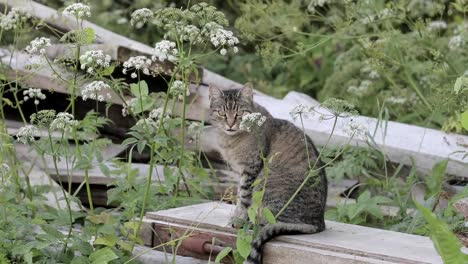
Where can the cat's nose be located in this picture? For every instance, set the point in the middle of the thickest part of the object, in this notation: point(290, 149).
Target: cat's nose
point(231, 122)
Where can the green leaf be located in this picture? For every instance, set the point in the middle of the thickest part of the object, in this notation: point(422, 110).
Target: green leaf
point(257, 197)
point(464, 119)
point(102, 256)
point(79, 260)
point(252, 213)
point(143, 104)
point(458, 84)
point(223, 254)
point(435, 180)
point(86, 36)
point(445, 242)
point(7, 101)
point(108, 70)
point(139, 90)
point(108, 240)
point(52, 231)
point(269, 215)
point(243, 244)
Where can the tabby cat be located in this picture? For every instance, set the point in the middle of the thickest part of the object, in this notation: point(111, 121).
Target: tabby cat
point(284, 142)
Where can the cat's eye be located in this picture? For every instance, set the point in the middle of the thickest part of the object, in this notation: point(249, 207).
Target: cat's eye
point(240, 112)
point(221, 113)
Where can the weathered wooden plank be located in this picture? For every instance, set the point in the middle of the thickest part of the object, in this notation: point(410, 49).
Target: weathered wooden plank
point(400, 142)
point(39, 177)
point(42, 76)
point(148, 256)
point(339, 243)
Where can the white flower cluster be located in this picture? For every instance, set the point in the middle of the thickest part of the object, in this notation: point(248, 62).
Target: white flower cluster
point(313, 3)
point(251, 121)
point(396, 100)
point(38, 45)
point(301, 110)
point(137, 63)
point(147, 122)
point(179, 88)
point(4, 169)
point(355, 129)
point(63, 122)
point(362, 90)
point(385, 13)
point(140, 16)
point(189, 33)
point(371, 72)
point(33, 93)
point(96, 90)
point(129, 106)
point(456, 42)
point(94, 59)
point(437, 25)
point(77, 10)
point(15, 17)
point(158, 113)
point(165, 50)
point(195, 129)
point(26, 134)
point(220, 37)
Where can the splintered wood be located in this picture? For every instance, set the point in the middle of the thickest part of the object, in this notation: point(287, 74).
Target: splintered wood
point(339, 243)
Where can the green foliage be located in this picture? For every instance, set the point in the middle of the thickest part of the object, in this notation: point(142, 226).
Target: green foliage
point(446, 243)
point(359, 212)
point(435, 179)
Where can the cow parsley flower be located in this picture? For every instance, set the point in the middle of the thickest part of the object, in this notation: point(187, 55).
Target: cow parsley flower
point(93, 60)
point(63, 122)
point(140, 16)
point(222, 37)
point(437, 25)
point(38, 45)
point(363, 89)
point(165, 50)
point(129, 106)
point(4, 169)
point(456, 42)
point(179, 88)
point(147, 123)
point(26, 134)
point(195, 129)
point(35, 94)
point(77, 10)
point(97, 90)
point(252, 121)
point(158, 113)
point(13, 19)
point(301, 110)
point(189, 33)
point(355, 129)
point(43, 118)
point(137, 63)
point(395, 100)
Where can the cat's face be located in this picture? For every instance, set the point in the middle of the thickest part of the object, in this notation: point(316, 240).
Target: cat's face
point(228, 107)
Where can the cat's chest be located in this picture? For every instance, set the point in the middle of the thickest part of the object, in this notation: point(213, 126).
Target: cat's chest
point(237, 152)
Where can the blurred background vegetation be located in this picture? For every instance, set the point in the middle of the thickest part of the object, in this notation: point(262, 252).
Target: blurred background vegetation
point(397, 60)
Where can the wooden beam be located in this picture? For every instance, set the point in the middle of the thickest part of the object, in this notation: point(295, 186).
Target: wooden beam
point(339, 243)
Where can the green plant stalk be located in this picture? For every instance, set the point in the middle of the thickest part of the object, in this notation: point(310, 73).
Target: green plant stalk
point(67, 201)
point(182, 151)
point(145, 197)
point(315, 164)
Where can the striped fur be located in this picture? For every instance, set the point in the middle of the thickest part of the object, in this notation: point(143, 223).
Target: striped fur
point(284, 143)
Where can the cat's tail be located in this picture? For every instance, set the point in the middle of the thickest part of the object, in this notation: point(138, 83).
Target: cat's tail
point(270, 231)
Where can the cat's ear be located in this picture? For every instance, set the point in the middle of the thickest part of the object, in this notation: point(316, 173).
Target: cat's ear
point(246, 92)
point(215, 93)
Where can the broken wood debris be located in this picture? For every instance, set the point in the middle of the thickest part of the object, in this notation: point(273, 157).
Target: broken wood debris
point(339, 243)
